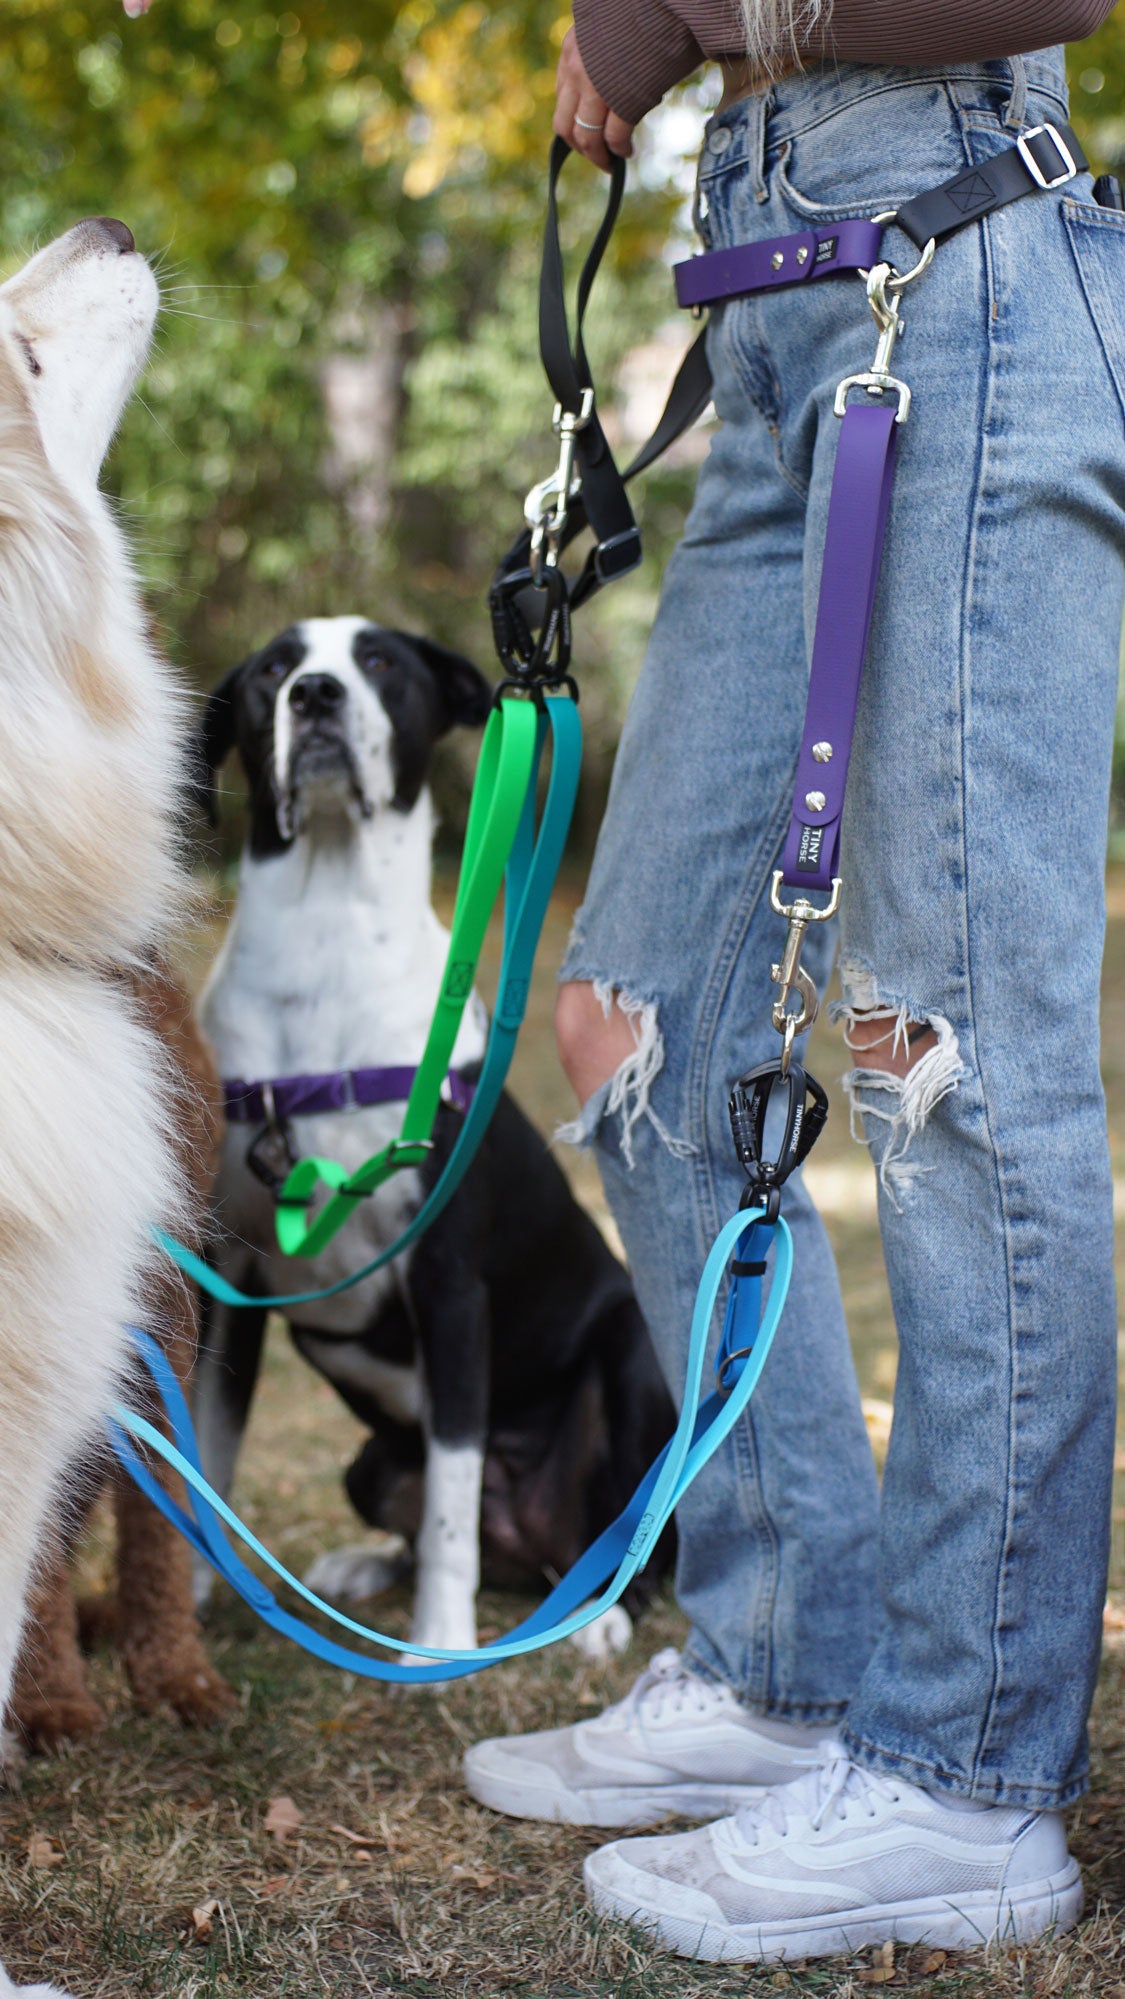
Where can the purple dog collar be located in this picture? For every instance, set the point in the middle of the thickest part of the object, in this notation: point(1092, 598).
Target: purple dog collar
point(851, 245)
point(284, 1097)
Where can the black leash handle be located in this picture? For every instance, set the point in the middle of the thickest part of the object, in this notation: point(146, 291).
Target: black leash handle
point(531, 629)
point(567, 368)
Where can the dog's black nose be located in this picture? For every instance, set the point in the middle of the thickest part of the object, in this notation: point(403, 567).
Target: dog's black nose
point(122, 236)
point(317, 694)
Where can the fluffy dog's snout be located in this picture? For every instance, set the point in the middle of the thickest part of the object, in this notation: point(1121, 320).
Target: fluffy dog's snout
point(317, 695)
point(121, 234)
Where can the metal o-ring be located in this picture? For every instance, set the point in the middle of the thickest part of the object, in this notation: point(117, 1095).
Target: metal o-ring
point(901, 279)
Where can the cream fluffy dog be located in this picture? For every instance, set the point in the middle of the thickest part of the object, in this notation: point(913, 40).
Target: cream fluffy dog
point(89, 771)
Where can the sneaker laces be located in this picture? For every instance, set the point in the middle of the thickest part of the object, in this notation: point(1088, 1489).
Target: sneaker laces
point(669, 1685)
point(814, 1800)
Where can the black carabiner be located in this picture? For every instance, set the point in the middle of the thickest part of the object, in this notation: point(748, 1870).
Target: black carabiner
point(805, 1109)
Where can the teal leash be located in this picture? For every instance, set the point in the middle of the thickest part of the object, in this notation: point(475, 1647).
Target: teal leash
point(601, 1575)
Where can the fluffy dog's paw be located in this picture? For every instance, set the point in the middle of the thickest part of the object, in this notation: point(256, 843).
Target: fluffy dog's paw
point(180, 1677)
point(45, 1721)
point(13, 1756)
point(10, 1991)
point(608, 1635)
point(348, 1575)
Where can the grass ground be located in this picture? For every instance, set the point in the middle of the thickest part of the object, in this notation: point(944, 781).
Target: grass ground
point(145, 1864)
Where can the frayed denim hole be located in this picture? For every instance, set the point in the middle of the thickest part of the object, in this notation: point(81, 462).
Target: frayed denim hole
point(888, 1112)
point(583, 1129)
point(625, 1095)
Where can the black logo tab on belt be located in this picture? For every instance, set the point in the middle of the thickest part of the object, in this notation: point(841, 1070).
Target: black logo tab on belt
point(827, 250)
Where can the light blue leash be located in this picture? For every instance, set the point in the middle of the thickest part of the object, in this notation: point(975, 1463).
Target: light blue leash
point(529, 879)
point(614, 1558)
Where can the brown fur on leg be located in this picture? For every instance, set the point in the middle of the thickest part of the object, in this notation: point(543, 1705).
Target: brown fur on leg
point(153, 1618)
point(157, 1628)
point(49, 1700)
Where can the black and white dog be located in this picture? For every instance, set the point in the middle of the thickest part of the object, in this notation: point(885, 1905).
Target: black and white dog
point(502, 1364)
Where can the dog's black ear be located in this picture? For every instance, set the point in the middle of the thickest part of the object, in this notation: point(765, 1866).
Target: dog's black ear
point(211, 743)
point(463, 691)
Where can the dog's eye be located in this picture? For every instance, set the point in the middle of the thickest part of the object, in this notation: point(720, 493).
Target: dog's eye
point(372, 661)
point(29, 354)
point(275, 669)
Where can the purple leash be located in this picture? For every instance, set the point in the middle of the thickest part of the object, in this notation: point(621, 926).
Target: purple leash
point(857, 523)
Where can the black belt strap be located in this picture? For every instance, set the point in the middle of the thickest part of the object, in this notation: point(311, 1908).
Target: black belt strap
point(1045, 157)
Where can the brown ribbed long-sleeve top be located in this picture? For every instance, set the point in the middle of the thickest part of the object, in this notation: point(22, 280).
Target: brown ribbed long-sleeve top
point(635, 50)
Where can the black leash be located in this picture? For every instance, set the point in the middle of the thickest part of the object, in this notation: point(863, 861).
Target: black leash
point(530, 600)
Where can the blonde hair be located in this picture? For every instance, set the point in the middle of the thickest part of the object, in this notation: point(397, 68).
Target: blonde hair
point(775, 30)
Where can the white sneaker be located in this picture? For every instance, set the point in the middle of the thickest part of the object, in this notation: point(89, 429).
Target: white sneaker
point(676, 1743)
point(838, 1860)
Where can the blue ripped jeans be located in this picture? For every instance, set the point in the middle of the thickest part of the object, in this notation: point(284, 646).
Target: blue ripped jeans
point(953, 1626)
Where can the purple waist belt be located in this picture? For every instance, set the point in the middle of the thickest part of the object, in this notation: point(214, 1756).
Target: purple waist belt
point(283, 1097)
point(850, 245)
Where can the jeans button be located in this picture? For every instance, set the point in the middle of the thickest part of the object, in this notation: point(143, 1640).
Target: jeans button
point(720, 139)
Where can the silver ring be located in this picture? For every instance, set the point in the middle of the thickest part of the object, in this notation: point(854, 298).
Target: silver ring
point(586, 126)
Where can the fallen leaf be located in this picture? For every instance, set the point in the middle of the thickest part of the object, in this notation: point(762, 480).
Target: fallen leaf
point(276, 1885)
point(479, 1877)
point(885, 1955)
point(203, 1920)
point(932, 1963)
point(42, 1852)
point(282, 1818)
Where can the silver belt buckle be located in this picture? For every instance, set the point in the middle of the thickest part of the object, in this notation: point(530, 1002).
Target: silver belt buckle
point(1023, 148)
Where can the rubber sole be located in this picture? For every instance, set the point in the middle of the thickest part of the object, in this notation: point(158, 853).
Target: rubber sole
point(973, 1922)
point(630, 1808)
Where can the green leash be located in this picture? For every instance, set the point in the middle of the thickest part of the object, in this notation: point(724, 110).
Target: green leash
point(504, 774)
point(529, 876)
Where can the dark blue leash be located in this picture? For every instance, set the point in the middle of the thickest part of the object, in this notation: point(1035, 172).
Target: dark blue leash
point(600, 1576)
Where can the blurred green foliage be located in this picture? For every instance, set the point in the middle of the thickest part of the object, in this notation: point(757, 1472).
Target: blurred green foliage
point(339, 180)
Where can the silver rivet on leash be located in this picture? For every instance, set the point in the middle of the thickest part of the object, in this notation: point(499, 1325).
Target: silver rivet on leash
point(815, 801)
point(777, 260)
point(802, 255)
point(822, 753)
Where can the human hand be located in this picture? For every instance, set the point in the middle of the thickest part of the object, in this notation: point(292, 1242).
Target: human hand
point(583, 118)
